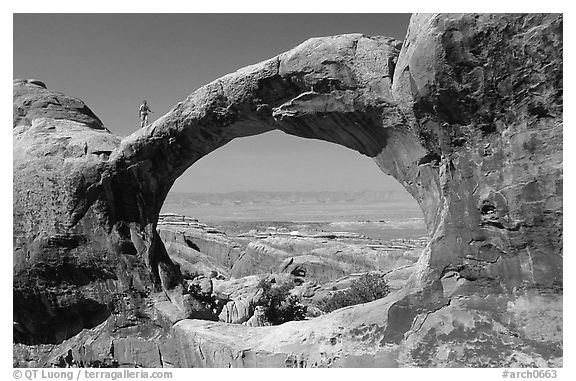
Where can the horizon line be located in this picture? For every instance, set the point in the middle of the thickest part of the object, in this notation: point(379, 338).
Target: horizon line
point(293, 191)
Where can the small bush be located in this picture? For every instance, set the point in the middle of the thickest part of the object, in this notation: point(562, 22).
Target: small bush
point(189, 275)
point(279, 305)
point(367, 288)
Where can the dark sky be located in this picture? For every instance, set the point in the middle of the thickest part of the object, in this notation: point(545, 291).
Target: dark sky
point(114, 61)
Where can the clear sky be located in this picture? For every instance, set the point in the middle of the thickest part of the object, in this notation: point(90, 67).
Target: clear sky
point(114, 61)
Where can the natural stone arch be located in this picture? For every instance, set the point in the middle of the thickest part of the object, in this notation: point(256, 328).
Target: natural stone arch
point(467, 115)
point(328, 88)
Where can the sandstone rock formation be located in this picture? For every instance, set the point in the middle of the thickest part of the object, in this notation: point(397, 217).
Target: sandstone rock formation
point(259, 258)
point(325, 259)
point(241, 296)
point(258, 319)
point(197, 247)
point(466, 114)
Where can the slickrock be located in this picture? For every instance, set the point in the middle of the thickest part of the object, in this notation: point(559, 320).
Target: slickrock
point(325, 258)
point(183, 233)
point(259, 258)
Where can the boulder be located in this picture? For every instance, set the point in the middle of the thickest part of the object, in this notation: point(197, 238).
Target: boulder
point(258, 319)
point(240, 297)
point(201, 286)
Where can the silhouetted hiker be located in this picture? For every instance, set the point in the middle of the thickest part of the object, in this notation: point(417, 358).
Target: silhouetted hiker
point(143, 114)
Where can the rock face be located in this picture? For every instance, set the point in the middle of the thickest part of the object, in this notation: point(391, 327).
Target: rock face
point(65, 275)
point(241, 296)
point(197, 247)
point(322, 258)
point(315, 267)
point(259, 257)
point(466, 114)
point(485, 93)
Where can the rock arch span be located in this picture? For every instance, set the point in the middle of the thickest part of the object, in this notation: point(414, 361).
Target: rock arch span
point(327, 88)
point(466, 114)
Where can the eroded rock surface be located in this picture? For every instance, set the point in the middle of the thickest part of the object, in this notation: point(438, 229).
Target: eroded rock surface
point(466, 114)
point(197, 247)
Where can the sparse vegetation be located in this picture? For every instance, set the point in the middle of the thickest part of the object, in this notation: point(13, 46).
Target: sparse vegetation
point(279, 305)
point(367, 288)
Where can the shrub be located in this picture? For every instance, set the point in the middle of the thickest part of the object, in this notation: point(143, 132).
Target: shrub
point(367, 288)
point(187, 274)
point(279, 305)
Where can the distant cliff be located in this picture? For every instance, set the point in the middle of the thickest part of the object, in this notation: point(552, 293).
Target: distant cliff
point(281, 198)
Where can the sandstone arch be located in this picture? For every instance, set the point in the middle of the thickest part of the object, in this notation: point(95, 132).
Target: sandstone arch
point(466, 114)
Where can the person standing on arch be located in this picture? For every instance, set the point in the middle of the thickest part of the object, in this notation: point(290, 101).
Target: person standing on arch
point(143, 114)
